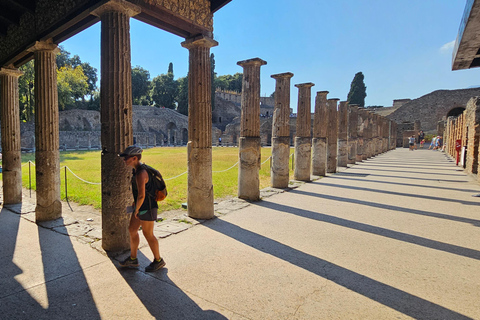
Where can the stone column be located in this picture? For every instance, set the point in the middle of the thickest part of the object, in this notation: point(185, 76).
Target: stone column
point(116, 121)
point(47, 141)
point(367, 136)
point(303, 139)
point(199, 147)
point(250, 151)
point(11, 163)
point(319, 141)
point(279, 172)
point(332, 135)
point(343, 134)
point(352, 133)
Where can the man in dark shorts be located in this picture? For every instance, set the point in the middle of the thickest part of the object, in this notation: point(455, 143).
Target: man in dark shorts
point(144, 211)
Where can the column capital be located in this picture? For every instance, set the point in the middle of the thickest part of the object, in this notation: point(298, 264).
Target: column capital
point(305, 85)
point(323, 93)
point(282, 75)
point(252, 62)
point(334, 99)
point(47, 45)
point(199, 41)
point(11, 71)
point(118, 6)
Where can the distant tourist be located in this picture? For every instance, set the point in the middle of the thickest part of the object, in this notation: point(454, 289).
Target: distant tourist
point(411, 142)
point(432, 143)
point(422, 143)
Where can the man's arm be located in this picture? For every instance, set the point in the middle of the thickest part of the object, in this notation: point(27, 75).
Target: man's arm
point(141, 179)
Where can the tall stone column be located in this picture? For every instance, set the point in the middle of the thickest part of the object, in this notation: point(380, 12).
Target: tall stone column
point(367, 136)
point(279, 172)
point(343, 134)
point(116, 121)
point(199, 147)
point(360, 134)
point(352, 133)
point(303, 140)
point(250, 151)
point(47, 155)
point(319, 141)
point(332, 135)
point(11, 163)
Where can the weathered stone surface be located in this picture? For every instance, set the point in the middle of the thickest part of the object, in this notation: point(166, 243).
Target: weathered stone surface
point(200, 187)
point(47, 157)
point(342, 134)
point(303, 158)
point(248, 169)
point(279, 173)
point(332, 135)
point(11, 142)
point(116, 125)
point(319, 156)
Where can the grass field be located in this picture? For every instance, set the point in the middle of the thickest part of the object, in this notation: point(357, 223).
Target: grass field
point(171, 161)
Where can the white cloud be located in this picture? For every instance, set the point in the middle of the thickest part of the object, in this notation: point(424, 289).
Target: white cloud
point(447, 47)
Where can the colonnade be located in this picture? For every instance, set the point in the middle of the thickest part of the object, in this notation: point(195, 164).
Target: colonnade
point(341, 135)
point(116, 126)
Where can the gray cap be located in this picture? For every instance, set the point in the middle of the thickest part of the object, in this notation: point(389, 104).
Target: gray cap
point(131, 151)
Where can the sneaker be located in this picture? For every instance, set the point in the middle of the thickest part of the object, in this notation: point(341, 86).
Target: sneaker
point(129, 263)
point(155, 265)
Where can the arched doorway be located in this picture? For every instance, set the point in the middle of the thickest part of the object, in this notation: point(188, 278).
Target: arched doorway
point(455, 112)
point(184, 136)
point(171, 131)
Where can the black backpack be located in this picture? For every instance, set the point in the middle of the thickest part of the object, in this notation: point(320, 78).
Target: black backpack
point(159, 188)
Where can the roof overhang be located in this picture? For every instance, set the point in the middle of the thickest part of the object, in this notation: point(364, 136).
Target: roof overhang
point(466, 53)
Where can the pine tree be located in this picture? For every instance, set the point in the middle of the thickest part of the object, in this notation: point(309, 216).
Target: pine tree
point(358, 91)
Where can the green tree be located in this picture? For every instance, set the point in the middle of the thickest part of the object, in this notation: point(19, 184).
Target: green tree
point(182, 96)
point(140, 86)
point(72, 85)
point(358, 91)
point(229, 82)
point(164, 89)
point(26, 85)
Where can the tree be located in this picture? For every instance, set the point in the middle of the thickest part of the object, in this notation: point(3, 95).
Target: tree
point(140, 86)
point(358, 90)
point(182, 96)
point(26, 85)
point(229, 82)
point(71, 85)
point(164, 89)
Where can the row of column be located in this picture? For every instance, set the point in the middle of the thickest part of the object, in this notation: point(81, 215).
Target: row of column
point(116, 127)
point(342, 134)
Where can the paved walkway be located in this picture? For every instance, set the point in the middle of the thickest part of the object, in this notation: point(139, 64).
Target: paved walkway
point(395, 237)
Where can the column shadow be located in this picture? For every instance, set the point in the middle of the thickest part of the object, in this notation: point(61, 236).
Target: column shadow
point(382, 293)
point(344, 176)
point(161, 296)
point(68, 294)
point(410, 171)
point(396, 235)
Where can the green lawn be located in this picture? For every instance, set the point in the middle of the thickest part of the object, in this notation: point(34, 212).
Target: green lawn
point(171, 161)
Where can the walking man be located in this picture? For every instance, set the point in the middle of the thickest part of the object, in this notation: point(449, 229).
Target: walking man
point(144, 211)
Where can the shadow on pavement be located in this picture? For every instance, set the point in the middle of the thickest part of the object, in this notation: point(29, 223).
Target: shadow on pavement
point(474, 222)
point(424, 242)
point(389, 296)
point(67, 291)
point(162, 298)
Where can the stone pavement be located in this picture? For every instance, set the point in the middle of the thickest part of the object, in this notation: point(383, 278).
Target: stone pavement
point(395, 237)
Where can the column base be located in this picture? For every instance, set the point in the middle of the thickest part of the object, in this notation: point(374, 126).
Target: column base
point(248, 169)
point(319, 156)
point(303, 158)
point(200, 187)
point(279, 173)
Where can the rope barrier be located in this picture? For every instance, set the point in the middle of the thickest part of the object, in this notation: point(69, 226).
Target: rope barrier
point(95, 183)
point(226, 169)
point(175, 176)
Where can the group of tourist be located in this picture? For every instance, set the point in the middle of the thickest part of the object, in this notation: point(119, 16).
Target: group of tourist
point(435, 144)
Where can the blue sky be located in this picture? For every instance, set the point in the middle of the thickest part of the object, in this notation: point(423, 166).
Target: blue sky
point(404, 48)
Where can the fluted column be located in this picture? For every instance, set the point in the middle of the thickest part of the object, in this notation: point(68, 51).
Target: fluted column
point(360, 135)
point(199, 147)
point(47, 156)
point(332, 135)
point(11, 162)
point(116, 121)
point(343, 134)
point(279, 172)
point(250, 151)
point(352, 133)
point(319, 141)
point(303, 139)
